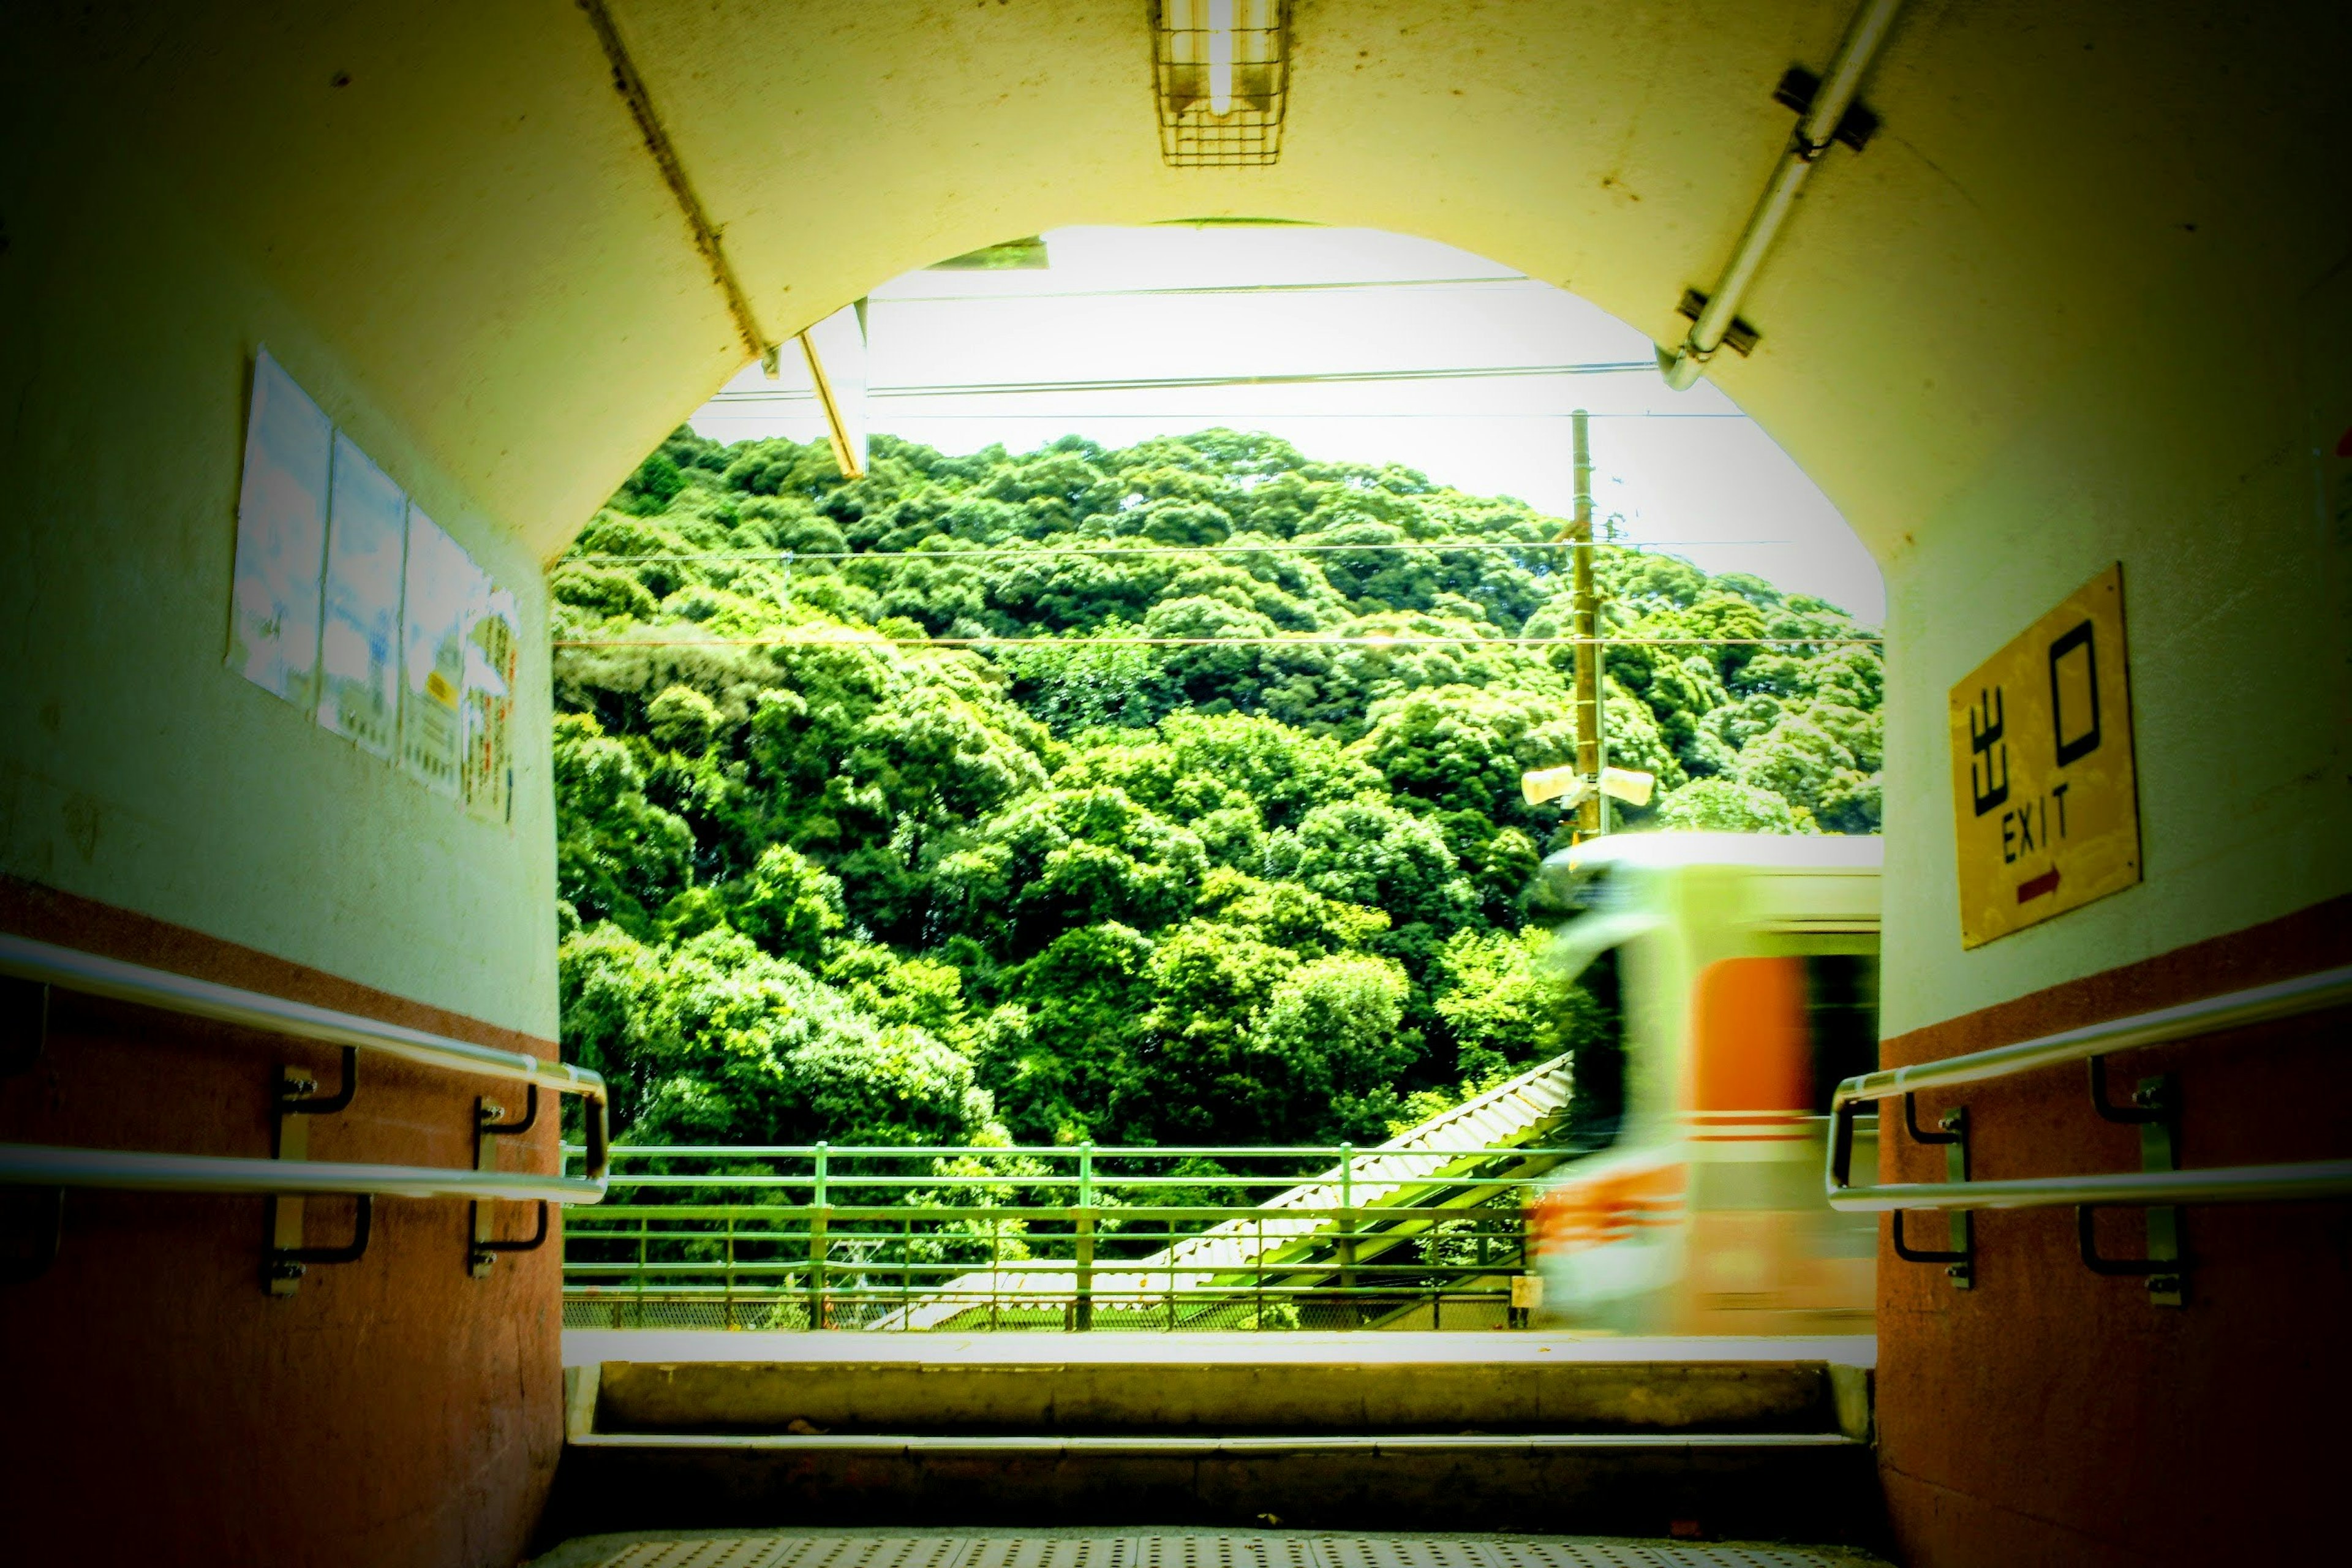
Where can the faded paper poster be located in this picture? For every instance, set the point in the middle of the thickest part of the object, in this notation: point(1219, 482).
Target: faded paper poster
point(443, 587)
point(493, 652)
point(281, 537)
point(359, 641)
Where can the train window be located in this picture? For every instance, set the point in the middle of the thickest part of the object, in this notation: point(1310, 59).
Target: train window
point(1596, 1100)
point(1842, 1008)
point(1777, 1033)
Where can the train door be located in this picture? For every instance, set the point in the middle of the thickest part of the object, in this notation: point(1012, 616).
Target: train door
point(1769, 1038)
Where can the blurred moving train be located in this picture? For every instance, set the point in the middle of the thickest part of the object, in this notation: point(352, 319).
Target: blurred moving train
point(1745, 971)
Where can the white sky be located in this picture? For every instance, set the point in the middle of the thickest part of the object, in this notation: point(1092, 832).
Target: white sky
point(1687, 470)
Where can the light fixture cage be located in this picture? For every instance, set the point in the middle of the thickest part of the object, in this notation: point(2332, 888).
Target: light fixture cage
point(1248, 134)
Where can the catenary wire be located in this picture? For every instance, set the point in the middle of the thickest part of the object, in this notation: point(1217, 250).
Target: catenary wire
point(1515, 281)
point(1165, 382)
point(1002, 553)
point(1197, 414)
point(856, 639)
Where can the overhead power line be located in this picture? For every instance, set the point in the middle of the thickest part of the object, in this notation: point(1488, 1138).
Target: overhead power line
point(1313, 641)
point(1166, 383)
point(1270, 416)
point(1353, 285)
point(1011, 551)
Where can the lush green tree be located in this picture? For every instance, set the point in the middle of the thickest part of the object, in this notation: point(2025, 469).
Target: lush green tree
point(1366, 851)
point(713, 1041)
point(789, 905)
point(619, 856)
point(1725, 806)
point(1264, 880)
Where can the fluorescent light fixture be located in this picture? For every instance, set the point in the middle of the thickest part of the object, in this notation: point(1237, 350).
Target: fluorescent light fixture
point(1221, 56)
point(1221, 72)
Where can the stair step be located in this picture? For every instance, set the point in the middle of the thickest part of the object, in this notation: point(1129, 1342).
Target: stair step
point(1816, 1486)
point(1049, 1401)
point(1369, 1433)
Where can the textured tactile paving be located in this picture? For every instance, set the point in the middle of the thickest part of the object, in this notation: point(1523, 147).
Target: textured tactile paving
point(1205, 1550)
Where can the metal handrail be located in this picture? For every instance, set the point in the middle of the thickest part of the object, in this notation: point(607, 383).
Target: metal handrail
point(86, 973)
point(1066, 1151)
point(836, 1182)
point(39, 1165)
point(2116, 1189)
point(2129, 1189)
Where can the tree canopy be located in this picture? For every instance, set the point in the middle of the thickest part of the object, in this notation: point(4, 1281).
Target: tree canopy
point(878, 822)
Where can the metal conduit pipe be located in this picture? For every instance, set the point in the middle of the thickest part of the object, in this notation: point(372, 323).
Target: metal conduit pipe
point(1814, 132)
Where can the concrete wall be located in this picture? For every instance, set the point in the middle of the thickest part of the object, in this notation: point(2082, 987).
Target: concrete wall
point(156, 806)
point(135, 767)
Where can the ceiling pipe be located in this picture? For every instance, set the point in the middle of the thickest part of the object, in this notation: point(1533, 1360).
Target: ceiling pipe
point(1816, 130)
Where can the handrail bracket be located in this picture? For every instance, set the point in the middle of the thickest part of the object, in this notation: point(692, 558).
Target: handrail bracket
point(294, 1098)
point(1959, 1257)
point(2154, 1109)
point(490, 1124)
point(288, 1264)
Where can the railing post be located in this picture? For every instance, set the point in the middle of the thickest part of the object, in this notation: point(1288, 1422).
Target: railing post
point(1348, 1234)
point(1257, 1277)
point(818, 1242)
point(727, 1299)
point(1083, 1313)
point(644, 1238)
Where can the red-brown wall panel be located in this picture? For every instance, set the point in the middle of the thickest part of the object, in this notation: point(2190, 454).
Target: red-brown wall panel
point(2051, 1415)
point(161, 1406)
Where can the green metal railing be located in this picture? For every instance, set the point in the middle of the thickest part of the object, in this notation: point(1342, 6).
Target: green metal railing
point(963, 1239)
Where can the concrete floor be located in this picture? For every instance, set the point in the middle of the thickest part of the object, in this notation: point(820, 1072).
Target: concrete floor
point(1172, 1548)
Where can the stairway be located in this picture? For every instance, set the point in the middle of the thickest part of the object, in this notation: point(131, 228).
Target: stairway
point(1410, 1171)
point(1418, 1432)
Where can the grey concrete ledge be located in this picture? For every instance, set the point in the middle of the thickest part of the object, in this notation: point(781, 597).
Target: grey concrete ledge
point(586, 1347)
point(1332, 1443)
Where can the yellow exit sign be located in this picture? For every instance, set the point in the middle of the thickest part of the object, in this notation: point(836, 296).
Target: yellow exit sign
point(2045, 800)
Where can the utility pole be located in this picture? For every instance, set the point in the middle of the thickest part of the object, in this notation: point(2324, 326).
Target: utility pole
point(1586, 621)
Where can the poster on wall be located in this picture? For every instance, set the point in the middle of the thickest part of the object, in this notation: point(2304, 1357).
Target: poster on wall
point(2044, 793)
point(359, 638)
point(281, 537)
point(493, 651)
point(443, 586)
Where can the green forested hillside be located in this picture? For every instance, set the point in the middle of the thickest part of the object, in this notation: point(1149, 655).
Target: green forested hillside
point(1068, 888)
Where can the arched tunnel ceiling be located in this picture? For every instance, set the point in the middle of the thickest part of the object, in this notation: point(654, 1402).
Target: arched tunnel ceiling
point(456, 197)
point(2081, 302)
